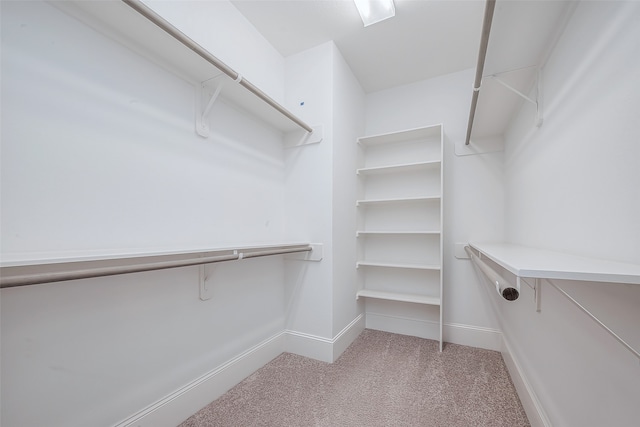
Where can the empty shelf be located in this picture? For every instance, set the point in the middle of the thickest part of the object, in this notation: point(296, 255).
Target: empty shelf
point(404, 167)
point(392, 296)
point(536, 263)
point(397, 200)
point(397, 233)
point(174, 51)
point(407, 135)
point(396, 265)
point(31, 271)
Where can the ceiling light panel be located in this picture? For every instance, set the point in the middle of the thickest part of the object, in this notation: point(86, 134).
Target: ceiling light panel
point(374, 11)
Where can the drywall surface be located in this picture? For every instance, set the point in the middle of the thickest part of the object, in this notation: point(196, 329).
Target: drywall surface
point(309, 191)
point(320, 197)
point(99, 153)
point(348, 124)
point(473, 199)
point(572, 186)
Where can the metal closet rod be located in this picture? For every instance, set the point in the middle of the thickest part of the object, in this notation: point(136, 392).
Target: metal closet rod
point(502, 286)
point(51, 277)
point(148, 13)
point(482, 54)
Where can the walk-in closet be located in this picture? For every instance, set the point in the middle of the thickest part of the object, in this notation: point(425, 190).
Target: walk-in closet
point(266, 212)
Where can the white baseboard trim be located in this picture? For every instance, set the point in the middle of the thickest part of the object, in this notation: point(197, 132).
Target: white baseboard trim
point(179, 405)
point(186, 401)
point(321, 348)
point(472, 336)
point(307, 345)
point(403, 326)
point(347, 335)
point(530, 402)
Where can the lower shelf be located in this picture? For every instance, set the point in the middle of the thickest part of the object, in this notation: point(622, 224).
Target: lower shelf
point(391, 296)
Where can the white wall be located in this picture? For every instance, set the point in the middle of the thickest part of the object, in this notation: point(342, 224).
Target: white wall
point(99, 154)
point(473, 202)
point(572, 186)
point(309, 196)
point(320, 189)
point(348, 119)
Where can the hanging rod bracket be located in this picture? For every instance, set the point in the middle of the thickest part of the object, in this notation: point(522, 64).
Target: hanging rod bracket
point(300, 138)
point(204, 103)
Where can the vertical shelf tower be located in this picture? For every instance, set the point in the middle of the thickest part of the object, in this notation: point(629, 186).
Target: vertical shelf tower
point(400, 218)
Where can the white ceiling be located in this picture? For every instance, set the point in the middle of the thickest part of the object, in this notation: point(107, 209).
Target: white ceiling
point(425, 39)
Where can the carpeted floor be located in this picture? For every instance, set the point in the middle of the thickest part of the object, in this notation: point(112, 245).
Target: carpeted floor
point(382, 379)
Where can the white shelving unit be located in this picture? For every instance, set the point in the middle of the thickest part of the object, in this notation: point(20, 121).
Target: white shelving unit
point(400, 218)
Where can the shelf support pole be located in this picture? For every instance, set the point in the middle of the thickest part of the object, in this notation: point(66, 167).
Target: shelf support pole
point(594, 318)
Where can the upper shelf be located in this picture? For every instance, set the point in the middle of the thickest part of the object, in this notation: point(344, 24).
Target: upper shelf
point(138, 27)
point(522, 36)
point(48, 258)
point(37, 269)
point(536, 263)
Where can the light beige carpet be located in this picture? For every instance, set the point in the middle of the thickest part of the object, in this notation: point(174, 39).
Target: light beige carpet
point(382, 379)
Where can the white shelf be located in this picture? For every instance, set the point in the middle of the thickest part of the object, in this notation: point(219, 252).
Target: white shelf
point(19, 259)
point(398, 233)
point(395, 265)
point(35, 271)
point(117, 20)
point(519, 42)
point(397, 200)
point(392, 296)
point(405, 167)
point(536, 263)
point(406, 135)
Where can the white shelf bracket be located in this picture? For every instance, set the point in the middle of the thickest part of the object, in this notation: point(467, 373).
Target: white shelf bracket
point(205, 291)
point(316, 254)
point(301, 138)
point(204, 103)
point(538, 295)
point(537, 102)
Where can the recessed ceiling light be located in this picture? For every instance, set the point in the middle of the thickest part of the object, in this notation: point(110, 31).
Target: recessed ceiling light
point(373, 11)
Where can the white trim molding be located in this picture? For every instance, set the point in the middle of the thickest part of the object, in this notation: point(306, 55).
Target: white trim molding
point(186, 401)
point(473, 336)
point(455, 333)
point(321, 348)
point(530, 402)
